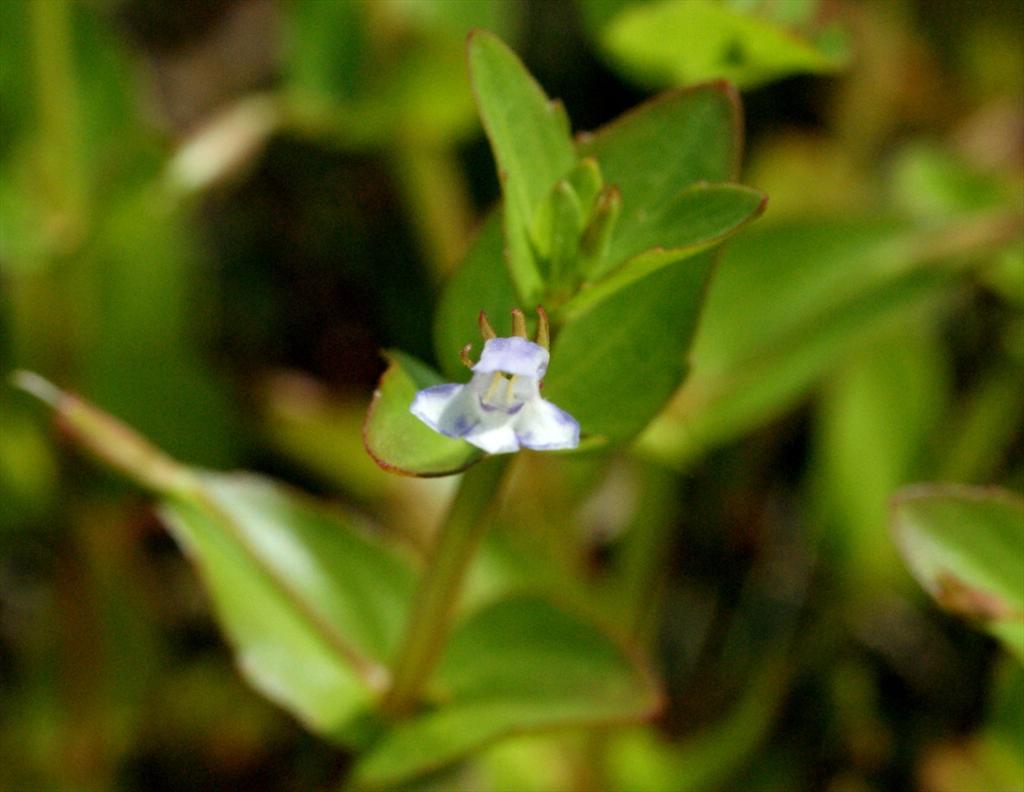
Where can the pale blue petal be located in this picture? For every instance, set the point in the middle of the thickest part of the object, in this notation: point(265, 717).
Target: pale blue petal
point(462, 415)
point(429, 403)
point(448, 409)
point(515, 356)
point(499, 439)
point(455, 411)
point(544, 427)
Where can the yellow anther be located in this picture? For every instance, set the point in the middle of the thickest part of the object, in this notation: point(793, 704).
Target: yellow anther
point(493, 387)
point(543, 331)
point(485, 327)
point(518, 323)
point(508, 388)
point(464, 356)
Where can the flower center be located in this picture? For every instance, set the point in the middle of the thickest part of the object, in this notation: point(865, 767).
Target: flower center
point(500, 393)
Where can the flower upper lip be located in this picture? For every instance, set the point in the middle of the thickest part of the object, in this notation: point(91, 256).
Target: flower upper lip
point(515, 356)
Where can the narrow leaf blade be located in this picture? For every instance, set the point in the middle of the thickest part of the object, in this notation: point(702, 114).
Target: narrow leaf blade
point(698, 218)
point(843, 282)
point(532, 146)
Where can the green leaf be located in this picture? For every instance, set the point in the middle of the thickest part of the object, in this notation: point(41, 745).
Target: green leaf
point(975, 441)
point(811, 267)
point(598, 234)
point(656, 150)
point(481, 283)
point(698, 218)
point(965, 546)
point(842, 282)
point(786, 12)
point(532, 146)
point(399, 441)
point(900, 380)
point(584, 183)
point(672, 43)
point(651, 155)
point(312, 605)
point(586, 180)
point(331, 48)
point(929, 181)
point(520, 665)
point(615, 366)
point(557, 228)
point(143, 361)
point(326, 44)
point(708, 759)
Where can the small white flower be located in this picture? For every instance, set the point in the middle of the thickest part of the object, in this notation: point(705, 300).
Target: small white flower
point(500, 409)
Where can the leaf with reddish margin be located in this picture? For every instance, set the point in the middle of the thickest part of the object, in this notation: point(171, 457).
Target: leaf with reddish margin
point(965, 546)
point(399, 441)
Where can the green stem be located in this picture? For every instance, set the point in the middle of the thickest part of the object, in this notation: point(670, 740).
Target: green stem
point(438, 594)
point(46, 300)
point(436, 196)
point(56, 92)
point(648, 548)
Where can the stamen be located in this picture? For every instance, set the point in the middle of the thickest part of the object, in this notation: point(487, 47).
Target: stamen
point(464, 356)
point(543, 331)
point(485, 327)
point(518, 323)
point(493, 387)
point(508, 388)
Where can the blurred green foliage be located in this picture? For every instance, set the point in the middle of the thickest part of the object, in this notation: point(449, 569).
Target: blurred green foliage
point(213, 216)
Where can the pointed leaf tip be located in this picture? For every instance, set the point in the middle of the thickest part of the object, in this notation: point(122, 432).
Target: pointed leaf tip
point(108, 439)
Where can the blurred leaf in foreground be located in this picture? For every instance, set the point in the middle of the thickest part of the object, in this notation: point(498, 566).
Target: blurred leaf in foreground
point(874, 417)
point(311, 604)
point(965, 546)
point(313, 607)
point(843, 282)
point(676, 43)
point(520, 665)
